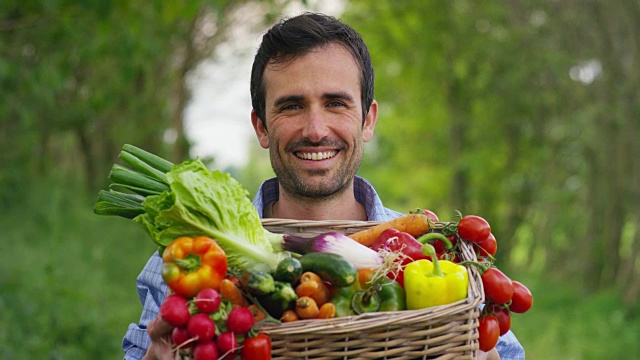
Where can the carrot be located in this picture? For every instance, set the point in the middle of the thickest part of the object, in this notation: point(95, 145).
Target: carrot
point(310, 276)
point(289, 315)
point(230, 291)
point(312, 285)
point(414, 224)
point(258, 315)
point(306, 308)
point(327, 311)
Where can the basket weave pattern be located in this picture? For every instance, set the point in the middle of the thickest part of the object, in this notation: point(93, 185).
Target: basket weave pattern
point(440, 332)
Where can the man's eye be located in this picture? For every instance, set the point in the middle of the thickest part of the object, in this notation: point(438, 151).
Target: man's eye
point(336, 104)
point(291, 107)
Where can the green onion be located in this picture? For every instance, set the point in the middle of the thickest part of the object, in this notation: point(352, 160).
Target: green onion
point(117, 203)
point(135, 181)
point(143, 167)
point(153, 160)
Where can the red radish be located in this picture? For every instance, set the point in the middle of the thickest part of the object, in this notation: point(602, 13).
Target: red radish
point(181, 338)
point(240, 320)
point(175, 310)
point(208, 301)
point(202, 327)
point(205, 351)
point(227, 345)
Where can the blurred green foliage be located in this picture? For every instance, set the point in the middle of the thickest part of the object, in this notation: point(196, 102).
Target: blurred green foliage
point(524, 112)
point(67, 279)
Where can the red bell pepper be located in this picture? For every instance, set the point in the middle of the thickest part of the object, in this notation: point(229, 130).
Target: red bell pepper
point(398, 241)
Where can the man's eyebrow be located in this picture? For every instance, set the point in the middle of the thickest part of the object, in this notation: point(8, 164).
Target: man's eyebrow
point(339, 96)
point(286, 99)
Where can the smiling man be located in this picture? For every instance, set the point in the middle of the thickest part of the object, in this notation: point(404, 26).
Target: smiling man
point(314, 109)
point(315, 133)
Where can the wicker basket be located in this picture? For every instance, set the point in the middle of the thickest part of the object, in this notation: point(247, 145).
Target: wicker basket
point(441, 332)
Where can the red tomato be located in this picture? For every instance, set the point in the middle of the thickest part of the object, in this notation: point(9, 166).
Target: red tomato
point(522, 299)
point(256, 348)
point(498, 287)
point(488, 246)
point(489, 331)
point(439, 245)
point(504, 318)
point(473, 228)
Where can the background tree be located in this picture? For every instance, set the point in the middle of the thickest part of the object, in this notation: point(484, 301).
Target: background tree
point(523, 111)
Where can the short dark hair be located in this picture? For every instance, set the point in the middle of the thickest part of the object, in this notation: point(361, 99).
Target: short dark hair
point(296, 36)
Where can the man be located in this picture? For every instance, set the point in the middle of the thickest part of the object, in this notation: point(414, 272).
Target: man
point(313, 108)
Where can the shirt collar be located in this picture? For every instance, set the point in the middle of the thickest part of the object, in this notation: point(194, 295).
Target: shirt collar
point(363, 191)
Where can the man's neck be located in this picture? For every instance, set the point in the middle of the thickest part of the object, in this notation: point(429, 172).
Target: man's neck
point(343, 207)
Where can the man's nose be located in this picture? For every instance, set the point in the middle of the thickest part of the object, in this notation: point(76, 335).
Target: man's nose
point(315, 127)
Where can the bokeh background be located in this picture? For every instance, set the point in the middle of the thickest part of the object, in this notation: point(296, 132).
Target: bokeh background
point(526, 112)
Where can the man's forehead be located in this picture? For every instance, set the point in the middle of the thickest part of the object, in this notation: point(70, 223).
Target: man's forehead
point(282, 61)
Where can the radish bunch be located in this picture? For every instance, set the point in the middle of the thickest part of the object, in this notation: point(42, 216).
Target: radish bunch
point(207, 326)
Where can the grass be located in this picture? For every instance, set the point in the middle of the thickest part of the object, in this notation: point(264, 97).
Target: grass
point(67, 290)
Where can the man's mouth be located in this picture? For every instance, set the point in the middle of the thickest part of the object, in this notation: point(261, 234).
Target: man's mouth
point(316, 155)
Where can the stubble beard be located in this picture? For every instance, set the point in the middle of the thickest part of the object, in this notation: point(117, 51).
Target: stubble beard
point(318, 184)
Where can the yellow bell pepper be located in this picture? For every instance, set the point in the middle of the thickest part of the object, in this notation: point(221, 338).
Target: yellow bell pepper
point(431, 283)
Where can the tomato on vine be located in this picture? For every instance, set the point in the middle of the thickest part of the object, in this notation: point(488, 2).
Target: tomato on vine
point(487, 247)
point(473, 228)
point(503, 315)
point(489, 332)
point(498, 288)
point(522, 300)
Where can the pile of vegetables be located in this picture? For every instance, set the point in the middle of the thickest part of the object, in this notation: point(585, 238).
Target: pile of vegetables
point(228, 274)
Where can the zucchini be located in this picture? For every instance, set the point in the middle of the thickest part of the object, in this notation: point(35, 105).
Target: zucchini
point(288, 270)
point(332, 268)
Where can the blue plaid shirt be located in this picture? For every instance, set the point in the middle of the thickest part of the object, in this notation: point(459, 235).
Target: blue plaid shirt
point(152, 289)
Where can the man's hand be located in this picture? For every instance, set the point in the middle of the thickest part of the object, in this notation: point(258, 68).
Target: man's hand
point(491, 355)
point(160, 334)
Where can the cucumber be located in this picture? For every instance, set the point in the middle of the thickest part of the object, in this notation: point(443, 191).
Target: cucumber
point(332, 268)
point(288, 270)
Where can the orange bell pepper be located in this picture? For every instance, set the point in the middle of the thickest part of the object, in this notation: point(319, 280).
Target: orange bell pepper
point(193, 264)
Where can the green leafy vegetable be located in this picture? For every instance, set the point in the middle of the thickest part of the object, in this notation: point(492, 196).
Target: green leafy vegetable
point(198, 202)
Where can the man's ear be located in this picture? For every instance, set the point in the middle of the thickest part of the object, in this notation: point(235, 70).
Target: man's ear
point(370, 122)
point(261, 131)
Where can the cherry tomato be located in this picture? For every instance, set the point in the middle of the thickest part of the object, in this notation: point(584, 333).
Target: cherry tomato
point(522, 299)
point(473, 228)
point(488, 246)
point(503, 315)
point(256, 348)
point(489, 332)
point(498, 287)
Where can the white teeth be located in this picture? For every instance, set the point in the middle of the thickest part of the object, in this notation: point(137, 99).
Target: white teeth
point(317, 155)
